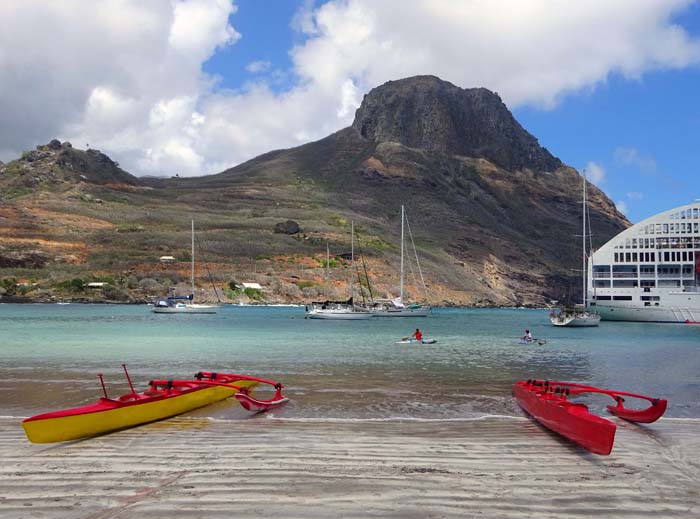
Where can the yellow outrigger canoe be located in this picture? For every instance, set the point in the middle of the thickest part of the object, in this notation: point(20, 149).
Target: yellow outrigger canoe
point(163, 399)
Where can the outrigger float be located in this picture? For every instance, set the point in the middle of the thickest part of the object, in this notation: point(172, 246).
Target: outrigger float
point(163, 399)
point(548, 403)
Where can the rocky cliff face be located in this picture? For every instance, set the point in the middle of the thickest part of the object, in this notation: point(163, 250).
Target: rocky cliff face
point(427, 113)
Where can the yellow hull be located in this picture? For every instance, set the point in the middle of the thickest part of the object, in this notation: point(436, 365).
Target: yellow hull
point(73, 427)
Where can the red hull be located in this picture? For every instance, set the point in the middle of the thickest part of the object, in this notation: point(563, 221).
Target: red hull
point(571, 420)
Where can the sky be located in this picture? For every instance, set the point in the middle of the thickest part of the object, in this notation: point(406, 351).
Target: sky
point(193, 87)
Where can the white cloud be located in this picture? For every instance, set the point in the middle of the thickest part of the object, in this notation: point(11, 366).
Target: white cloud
point(256, 67)
point(621, 206)
point(137, 90)
point(632, 157)
point(595, 173)
point(635, 195)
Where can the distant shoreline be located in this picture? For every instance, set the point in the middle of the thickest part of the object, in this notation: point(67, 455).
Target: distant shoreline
point(29, 301)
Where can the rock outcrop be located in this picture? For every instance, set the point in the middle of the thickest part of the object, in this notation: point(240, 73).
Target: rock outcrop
point(427, 113)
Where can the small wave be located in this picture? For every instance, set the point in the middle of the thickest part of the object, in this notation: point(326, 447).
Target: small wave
point(394, 419)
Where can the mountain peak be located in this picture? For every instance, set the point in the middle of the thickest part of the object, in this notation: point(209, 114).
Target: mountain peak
point(428, 113)
point(58, 165)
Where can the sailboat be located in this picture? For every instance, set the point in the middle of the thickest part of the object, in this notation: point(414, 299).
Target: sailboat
point(396, 307)
point(339, 310)
point(578, 315)
point(184, 304)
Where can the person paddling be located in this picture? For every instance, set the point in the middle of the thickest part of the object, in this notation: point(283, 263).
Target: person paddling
point(528, 336)
point(417, 335)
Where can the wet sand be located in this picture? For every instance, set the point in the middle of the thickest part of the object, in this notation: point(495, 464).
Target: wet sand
point(496, 467)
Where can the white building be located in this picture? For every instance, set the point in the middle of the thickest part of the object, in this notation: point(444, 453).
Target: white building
point(651, 271)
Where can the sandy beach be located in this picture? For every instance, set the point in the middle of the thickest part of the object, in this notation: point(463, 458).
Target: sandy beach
point(494, 467)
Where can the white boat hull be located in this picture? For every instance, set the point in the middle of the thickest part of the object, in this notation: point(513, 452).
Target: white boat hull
point(423, 311)
point(651, 314)
point(575, 320)
point(338, 315)
point(186, 309)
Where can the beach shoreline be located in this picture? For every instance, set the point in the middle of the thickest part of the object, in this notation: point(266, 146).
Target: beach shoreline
point(266, 466)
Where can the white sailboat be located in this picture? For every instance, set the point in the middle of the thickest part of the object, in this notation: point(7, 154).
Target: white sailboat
point(339, 310)
point(397, 307)
point(578, 315)
point(184, 304)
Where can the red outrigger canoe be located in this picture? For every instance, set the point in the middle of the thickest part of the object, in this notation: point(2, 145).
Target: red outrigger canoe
point(163, 399)
point(548, 403)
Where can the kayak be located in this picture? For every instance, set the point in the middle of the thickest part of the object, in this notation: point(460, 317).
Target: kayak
point(163, 399)
point(533, 341)
point(416, 341)
point(548, 403)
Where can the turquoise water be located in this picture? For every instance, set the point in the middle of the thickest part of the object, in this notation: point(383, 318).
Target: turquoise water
point(51, 355)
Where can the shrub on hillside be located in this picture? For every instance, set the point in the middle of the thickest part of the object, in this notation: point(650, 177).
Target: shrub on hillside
point(149, 285)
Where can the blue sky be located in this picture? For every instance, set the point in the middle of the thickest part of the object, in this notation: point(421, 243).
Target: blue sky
point(194, 87)
point(644, 134)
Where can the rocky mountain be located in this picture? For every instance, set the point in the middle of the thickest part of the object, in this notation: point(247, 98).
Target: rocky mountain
point(58, 166)
point(495, 216)
point(427, 113)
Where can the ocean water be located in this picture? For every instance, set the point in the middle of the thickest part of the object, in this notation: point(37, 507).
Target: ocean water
point(338, 370)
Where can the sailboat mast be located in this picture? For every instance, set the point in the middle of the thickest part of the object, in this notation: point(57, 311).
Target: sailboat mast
point(352, 259)
point(401, 283)
point(583, 205)
point(192, 258)
point(328, 263)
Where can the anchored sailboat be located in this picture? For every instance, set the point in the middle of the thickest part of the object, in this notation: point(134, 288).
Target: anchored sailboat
point(184, 304)
point(339, 310)
point(578, 315)
point(397, 307)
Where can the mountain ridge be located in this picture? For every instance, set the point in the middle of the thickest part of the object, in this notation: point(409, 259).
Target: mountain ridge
point(495, 228)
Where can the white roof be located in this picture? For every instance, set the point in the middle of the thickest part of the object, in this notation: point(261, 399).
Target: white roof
point(252, 285)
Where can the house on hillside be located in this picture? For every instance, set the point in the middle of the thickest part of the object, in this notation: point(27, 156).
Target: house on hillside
point(166, 259)
point(255, 286)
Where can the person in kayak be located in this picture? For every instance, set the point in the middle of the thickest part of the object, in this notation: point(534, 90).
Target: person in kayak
point(528, 336)
point(417, 335)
